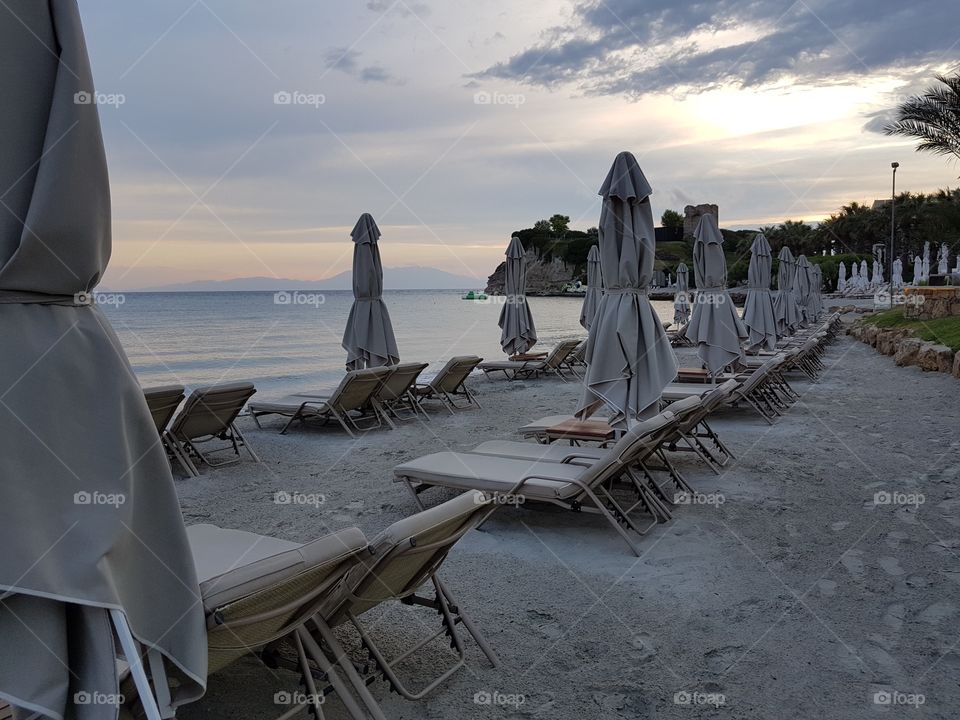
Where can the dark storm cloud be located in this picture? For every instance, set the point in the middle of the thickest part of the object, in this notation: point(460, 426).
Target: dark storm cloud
point(633, 48)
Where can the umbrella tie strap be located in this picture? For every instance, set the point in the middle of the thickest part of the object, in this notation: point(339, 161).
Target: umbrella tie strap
point(625, 291)
point(18, 297)
point(757, 287)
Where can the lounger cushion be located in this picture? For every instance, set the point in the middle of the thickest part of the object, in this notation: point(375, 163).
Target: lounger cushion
point(536, 451)
point(232, 564)
point(492, 474)
point(424, 521)
point(678, 391)
point(512, 365)
point(289, 405)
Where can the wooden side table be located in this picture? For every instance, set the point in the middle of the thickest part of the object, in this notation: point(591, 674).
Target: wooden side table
point(577, 431)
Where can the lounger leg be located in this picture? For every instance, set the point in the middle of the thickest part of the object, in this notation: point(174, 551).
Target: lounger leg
point(347, 665)
point(467, 623)
point(343, 691)
point(613, 521)
point(308, 677)
point(243, 441)
point(132, 653)
point(296, 416)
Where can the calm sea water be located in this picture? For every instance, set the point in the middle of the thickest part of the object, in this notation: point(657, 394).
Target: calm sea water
point(203, 338)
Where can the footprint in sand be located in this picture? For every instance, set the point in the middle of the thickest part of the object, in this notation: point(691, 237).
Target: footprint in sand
point(938, 612)
point(894, 539)
point(893, 618)
point(853, 562)
point(644, 646)
point(838, 526)
point(828, 588)
point(891, 566)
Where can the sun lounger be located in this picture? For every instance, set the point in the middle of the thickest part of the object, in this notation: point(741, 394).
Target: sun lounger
point(556, 363)
point(282, 600)
point(208, 415)
point(568, 485)
point(402, 561)
point(348, 404)
point(451, 383)
point(163, 402)
point(395, 394)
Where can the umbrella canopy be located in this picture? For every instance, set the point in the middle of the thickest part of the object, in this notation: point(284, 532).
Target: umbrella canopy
point(784, 301)
point(841, 277)
point(802, 287)
point(368, 337)
point(864, 276)
point(926, 261)
point(943, 261)
point(517, 331)
point(591, 301)
point(816, 275)
point(93, 533)
point(714, 326)
point(917, 270)
point(898, 273)
point(681, 299)
point(758, 315)
point(877, 279)
point(629, 358)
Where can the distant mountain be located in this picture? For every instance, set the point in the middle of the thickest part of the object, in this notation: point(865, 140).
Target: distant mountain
point(402, 278)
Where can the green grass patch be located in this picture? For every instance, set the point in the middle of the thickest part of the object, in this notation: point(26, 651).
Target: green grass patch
point(945, 331)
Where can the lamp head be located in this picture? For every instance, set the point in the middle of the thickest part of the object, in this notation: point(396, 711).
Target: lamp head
point(895, 165)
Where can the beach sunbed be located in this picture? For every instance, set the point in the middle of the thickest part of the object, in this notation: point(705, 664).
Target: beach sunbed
point(694, 430)
point(395, 394)
point(576, 486)
point(163, 402)
point(207, 416)
point(451, 383)
point(556, 362)
point(282, 600)
point(402, 564)
point(349, 403)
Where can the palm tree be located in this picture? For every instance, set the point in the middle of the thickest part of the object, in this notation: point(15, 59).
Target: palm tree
point(933, 118)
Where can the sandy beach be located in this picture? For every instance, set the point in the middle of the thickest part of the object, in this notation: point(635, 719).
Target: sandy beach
point(792, 594)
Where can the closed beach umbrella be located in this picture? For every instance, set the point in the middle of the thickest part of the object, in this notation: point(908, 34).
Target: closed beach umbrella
point(917, 270)
point(877, 280)
point(715, 328)
point(92, 540)
point(784, 301)
point(368, 337)
point(802, 289)
point(758, 315)
point(926, 260)
point(517, 331)
point(943, 264)
point(629, 358)
point(591, 301)
point(864, 276)
point(681, 300)
point(853, 285)
point(898, 273)
point(841, 277)
point(816, 275)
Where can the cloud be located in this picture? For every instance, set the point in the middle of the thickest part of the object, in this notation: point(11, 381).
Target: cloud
point(406, 9)
point(348, 61)
point(622, 47)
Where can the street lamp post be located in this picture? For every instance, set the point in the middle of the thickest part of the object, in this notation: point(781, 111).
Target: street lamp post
point(893, 225)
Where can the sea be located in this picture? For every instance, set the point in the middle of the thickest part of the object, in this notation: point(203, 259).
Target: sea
point(290, 342)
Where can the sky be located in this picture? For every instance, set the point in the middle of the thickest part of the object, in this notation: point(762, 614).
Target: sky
point(245, 138)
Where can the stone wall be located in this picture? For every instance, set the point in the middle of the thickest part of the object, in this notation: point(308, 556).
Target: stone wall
point(930, 303)
point(907, 349)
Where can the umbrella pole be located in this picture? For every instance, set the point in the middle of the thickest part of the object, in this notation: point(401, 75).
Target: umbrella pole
point(135, 660)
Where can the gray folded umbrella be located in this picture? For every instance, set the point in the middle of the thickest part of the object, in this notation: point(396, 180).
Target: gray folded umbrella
point(92, 540)
point(591, 301)
point(714, 327)
point(802, 290)
point(681, 299)
point(816, 288)
point(758, 315)
point(517, 331)
point(368, 337)
point(785, 307)
point(629, 357)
